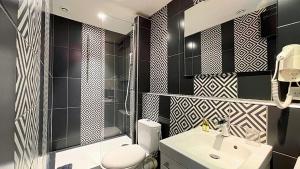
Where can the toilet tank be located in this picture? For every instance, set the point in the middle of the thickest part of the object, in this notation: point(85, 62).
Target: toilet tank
point(149, 133)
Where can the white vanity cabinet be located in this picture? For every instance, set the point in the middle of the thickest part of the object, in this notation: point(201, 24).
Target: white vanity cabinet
point(168, 163)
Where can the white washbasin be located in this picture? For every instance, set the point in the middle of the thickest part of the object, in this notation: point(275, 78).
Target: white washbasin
point(232, 152)
point(297, 166)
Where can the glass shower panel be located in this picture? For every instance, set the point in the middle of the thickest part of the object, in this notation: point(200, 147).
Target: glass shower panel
point(117, 51)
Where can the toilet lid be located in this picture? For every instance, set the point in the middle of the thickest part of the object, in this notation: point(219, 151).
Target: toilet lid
point(124, 157)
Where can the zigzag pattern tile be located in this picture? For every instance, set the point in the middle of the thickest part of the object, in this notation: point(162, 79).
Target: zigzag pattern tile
point(184, 115)
point(92, 85)
point(159, 52)
point(249, 115)
point(222, 85)
point(28, 45)
point(150, 107)
point(187, 113)
point(249, 47)
point(211, 50)
point(213, 111)
point(197, 1)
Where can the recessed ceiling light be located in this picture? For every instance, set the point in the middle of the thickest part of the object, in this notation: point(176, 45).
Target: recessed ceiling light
point(102, 16)
point(64, 9)
point(241, 11)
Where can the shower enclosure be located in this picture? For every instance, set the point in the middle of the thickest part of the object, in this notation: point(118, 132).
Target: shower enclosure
point(91, 94)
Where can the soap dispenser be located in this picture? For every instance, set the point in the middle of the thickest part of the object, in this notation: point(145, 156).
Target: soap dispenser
point(205, 125)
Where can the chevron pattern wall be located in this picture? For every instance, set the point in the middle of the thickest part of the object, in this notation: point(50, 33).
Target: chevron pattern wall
point(249, 47)
point(187, 113)
point(159, 52)
point(221, 85)
point(92, 85)
point(27, 104)
point(150, 107)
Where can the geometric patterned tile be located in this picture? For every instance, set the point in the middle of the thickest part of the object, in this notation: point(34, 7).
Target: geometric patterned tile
point(159, 52)
point(27, 103)
point(150, 107)
point(197, 1)
point(249, 47)
point(184, 115)
point(211, 50)
point(92, 85)
point(221, 85)
point(213, 111)
point(249, 115)
point(187, 113)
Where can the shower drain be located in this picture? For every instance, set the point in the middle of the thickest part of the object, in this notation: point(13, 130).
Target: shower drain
point(214, 156)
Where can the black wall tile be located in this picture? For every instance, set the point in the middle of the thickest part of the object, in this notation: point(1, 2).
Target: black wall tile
point(188, 67)
point(60, 63)
point(75, 35)
point(197, 44)
point(73, 135)
point(109, 115)
point(59, 124)
point(11, 6)
point(280, 161)
point(109, 48)
point(164, 106)
point(173, 39)
point(288, 35)
point(74, 69)
point(165, 130)
point(186, 85)
point(227, 30)
point(188, 51)
point(197, 65)
point(272, 52)
point(269, 22)
point(144, 76)
point(173, 74)
point(288, 11)
point(180, 17)
point(254, 85)
point(74, 92)
point(228, 61)
point(186, 4)
point(144, 22)
point(61, 32)
point(60, 92)
point(283, 129)
point(110, 66)
point(8, 57)
point(176, 6)
point(59, 144)
point(144, 45)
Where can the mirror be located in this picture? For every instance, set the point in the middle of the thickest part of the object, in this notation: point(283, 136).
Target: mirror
point(224, 36)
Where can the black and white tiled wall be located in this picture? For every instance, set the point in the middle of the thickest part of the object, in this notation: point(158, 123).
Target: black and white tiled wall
point(90, 70)
point(245, 74)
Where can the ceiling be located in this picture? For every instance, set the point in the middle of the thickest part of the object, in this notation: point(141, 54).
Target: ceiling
point(119, 13)
point(209, 13)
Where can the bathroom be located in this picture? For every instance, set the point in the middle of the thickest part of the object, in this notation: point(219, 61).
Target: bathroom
point(170, 84)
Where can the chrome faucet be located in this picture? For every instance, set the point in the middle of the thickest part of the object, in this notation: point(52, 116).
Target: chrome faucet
point(224, 126)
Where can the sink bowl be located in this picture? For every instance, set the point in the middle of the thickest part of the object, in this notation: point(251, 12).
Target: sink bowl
point(297, 165)
point(196, 148)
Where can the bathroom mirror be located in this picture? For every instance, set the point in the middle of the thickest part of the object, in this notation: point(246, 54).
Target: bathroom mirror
point(224, 36)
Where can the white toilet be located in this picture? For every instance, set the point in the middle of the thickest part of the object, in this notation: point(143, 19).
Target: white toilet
point(131, 156)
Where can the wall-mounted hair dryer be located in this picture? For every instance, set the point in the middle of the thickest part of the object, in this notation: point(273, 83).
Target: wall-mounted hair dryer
point(288, 70)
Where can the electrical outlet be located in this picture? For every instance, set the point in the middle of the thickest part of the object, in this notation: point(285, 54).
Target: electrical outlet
point(295, 91)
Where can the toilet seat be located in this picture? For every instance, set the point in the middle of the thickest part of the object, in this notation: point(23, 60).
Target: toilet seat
point(124, 157)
